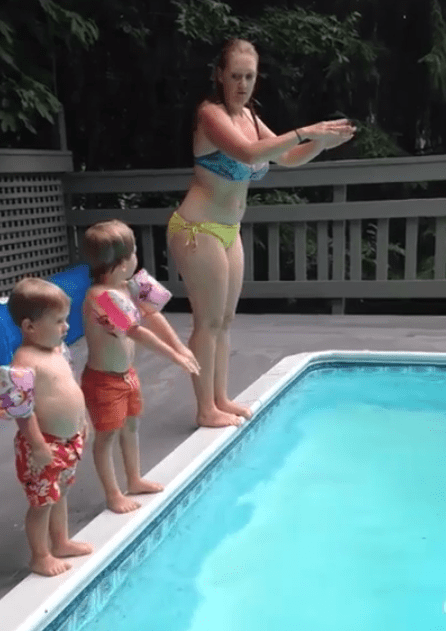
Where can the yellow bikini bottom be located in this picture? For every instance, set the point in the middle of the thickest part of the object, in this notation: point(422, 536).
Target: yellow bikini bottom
point(226, 233)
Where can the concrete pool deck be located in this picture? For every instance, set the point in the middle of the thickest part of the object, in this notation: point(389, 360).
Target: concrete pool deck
point(258, 343)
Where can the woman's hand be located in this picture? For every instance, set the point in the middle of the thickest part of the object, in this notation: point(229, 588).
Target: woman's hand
point(329, 133)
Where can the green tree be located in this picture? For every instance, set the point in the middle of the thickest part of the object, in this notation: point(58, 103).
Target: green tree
point(130, 72)
point(410, 97)
point(30, 30)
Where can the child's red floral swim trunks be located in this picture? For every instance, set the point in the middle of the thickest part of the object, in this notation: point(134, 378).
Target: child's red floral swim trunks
point(43, 485)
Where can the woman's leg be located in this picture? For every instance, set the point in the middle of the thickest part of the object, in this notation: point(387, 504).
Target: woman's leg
point(235, 281)
point(204, 270)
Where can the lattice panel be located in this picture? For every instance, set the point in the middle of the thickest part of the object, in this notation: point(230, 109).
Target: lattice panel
point(33, 232)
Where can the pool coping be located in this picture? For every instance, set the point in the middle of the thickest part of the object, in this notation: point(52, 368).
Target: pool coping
point(37, 601)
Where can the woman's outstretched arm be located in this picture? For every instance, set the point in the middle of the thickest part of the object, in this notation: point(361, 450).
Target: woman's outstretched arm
point(305, 152)
point(221, 131)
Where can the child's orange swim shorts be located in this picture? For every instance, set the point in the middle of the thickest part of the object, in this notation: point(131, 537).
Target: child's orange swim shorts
point(111, 397)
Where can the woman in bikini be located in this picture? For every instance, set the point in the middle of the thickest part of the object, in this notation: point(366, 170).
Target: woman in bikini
point(232, 147)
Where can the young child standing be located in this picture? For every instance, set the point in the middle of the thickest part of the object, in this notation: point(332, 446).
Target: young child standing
point(112, 324)
point(39, 391)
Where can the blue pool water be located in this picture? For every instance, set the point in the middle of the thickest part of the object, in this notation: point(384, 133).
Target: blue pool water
point(331, 516)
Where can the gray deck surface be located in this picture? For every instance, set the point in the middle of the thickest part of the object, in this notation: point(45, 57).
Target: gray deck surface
point(258, 343)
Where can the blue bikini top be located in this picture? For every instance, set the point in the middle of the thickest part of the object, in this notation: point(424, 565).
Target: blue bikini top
point(231, 169)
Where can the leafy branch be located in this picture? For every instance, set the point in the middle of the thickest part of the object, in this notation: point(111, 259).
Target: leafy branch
point(26, 95)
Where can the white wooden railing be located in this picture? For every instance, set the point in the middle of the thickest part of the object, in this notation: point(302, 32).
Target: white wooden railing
point(339, 227)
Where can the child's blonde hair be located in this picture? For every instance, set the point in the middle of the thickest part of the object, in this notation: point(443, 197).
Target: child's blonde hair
point(34, 297)
point(106, 244)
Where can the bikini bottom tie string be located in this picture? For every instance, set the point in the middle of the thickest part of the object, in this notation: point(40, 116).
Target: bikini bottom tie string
point(192, 231)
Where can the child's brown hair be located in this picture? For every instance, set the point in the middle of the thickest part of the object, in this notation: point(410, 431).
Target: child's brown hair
point(106, 244)
point(33, 297)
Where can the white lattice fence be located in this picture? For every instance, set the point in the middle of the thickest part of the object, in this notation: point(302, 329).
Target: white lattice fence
point(33, 232)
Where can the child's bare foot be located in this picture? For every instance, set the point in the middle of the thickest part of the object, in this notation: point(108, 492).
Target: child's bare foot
point(72, 548)
point(234, 408)
point(119, 503)
point(48, 565)
point(144, 486)
point(217, 418)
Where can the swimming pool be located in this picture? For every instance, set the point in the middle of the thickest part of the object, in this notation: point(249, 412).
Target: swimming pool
point(341, 474)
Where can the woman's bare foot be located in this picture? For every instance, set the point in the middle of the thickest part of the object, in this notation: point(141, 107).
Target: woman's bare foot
point(217, 418)
point(144, 486)
point(48, 565)
point(119, 503)
point(234, 408)
point(72, 548)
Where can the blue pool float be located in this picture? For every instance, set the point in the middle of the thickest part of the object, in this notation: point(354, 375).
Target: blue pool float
point(74, 281)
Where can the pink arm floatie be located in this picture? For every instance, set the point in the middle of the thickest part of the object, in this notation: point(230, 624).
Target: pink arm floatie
point(147, 291)
point(16, 392)
point(116, 312)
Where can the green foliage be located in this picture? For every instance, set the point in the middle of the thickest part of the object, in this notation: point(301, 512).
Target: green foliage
point(318, 63)
point(150, 200)
point(426, 271)
point(274, 196)
point(27, 32)
point(206, 20)
point(373, 142)
point(139, 35)
point(303, 33)
point(21, 99)
point(380, 63)
point(331, 52)
point(6, 33)
point(313, 65)
point(65, 23)
point(435, 60)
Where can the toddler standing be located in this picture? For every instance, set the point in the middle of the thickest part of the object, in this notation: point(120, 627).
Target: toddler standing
point(112, 324)
point(40, 392)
